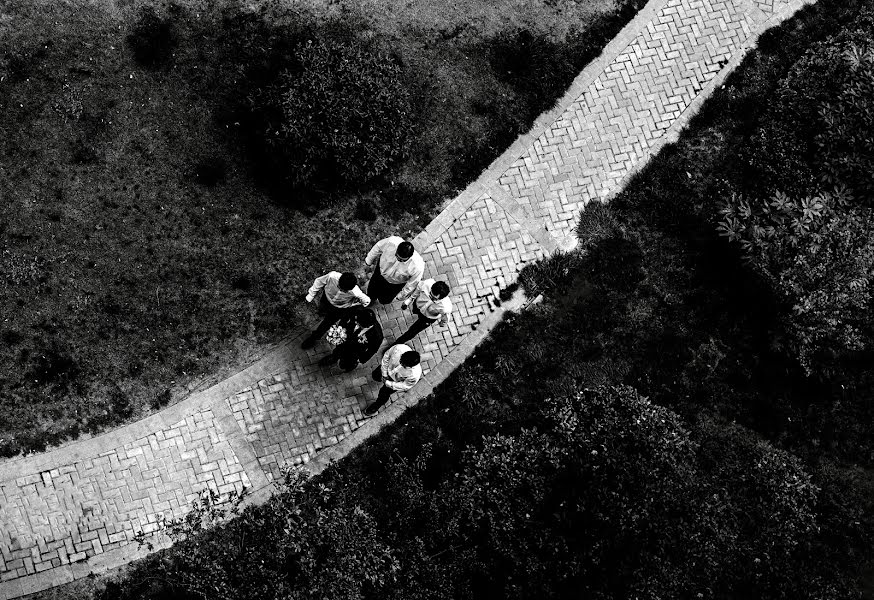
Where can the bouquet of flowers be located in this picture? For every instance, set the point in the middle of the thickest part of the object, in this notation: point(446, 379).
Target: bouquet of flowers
point(336, 335)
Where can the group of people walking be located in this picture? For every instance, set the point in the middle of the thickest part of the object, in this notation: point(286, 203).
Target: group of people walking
point(397, 273)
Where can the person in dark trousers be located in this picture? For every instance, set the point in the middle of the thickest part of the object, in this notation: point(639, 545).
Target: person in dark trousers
point(363, 339)
point(397, 268)
point(340, 295)
point(430, 303)
point(399, 371)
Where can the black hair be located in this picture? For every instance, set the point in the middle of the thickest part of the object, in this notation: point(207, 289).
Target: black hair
point(440, 289)
point(347, 281)
point(410, 358)
point(405, 250)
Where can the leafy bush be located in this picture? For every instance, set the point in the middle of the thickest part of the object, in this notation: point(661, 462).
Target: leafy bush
point(596, 223)
point(612, 496)
point(817, 129)
point(341, 116)
point(152, 39)
point(817, 253)
point(306, 542)
point(618, 498)
point(846, 143)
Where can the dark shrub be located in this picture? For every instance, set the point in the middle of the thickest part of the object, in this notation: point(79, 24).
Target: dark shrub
point(596, 223)
point(534, 67)
point(162, 399)
point(210, 171)
point(11, 337)
point(152, 39)
point(817, 254)
point(365, 209)
point(846, 140)
point(615, 262)
point(340, 117)
point(53, 364)
point(817, 129)
point(552, 274)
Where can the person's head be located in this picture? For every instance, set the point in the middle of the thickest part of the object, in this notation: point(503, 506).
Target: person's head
point(439, 290)
point(410, 358)
point(365, 317)
point(347, 282)
point(405, 251)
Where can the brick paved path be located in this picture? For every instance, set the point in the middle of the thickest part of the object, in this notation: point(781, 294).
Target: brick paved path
point(72, 511)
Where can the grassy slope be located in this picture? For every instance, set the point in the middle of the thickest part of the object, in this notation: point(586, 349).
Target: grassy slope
point(127, 281)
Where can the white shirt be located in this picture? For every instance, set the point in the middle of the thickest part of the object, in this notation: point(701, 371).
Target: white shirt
point(409, 272)
point(330, 282)
point(396, 376)
point(431, 309)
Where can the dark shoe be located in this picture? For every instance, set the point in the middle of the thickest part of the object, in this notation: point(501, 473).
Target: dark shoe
point(370, 410)
point(308, 343)
point(377, 374)
point(326, 360)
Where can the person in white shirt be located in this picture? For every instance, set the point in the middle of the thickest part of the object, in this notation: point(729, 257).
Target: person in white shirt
point(340, 295)
point(399, 371)
point(397, 268)
point(429, 301)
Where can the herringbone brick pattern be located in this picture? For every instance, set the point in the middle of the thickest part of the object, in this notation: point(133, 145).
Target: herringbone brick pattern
point(603, 134)
point(84, 508)
point(94, 502)
point(770, 6)
point(476, 267)
point(289, 417)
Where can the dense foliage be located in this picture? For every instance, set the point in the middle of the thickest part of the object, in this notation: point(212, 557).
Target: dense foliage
point(817, 254)
point(340, 116)
point(153, 38)
point(812, 239)
point(774, 328)
point(610, 497)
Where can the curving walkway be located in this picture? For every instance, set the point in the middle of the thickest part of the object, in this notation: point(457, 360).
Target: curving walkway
point(73, 511)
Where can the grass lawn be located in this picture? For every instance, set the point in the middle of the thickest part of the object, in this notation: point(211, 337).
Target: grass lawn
point(140, 258)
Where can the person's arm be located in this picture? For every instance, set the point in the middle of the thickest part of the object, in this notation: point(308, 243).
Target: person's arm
point(402, 385)
point(375, 252)
point(386, 361)
point(362, 297)
point(317, 286)
point(413, 281)
point(444, 319)
point(420, 287)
